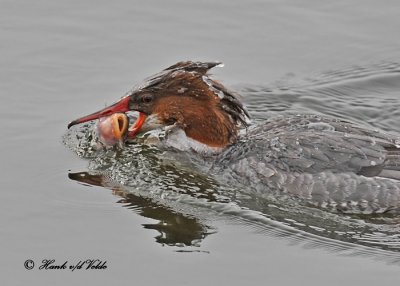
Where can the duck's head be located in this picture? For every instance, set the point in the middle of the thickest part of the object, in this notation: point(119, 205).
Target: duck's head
point(183, 95)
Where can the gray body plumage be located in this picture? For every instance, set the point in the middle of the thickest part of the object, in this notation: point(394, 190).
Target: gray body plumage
point(326, 162)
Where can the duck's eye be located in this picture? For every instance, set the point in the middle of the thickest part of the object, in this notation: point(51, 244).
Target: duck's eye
point(147, 98)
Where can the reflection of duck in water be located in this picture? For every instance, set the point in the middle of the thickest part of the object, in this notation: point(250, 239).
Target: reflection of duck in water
point(328, 162)
point(175, 229)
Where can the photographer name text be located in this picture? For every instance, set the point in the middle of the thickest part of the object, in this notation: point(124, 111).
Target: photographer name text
point(52, 264)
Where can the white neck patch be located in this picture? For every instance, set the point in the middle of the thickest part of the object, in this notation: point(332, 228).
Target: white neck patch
point(173, 136)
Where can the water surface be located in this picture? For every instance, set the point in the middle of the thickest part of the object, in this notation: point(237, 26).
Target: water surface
point(60, 60)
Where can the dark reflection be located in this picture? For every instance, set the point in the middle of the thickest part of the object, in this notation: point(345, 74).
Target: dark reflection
point(176, 229)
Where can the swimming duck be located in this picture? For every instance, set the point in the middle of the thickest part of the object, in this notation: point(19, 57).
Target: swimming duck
point(327, 162)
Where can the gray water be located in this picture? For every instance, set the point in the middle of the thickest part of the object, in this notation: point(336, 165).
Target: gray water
point(63, 59)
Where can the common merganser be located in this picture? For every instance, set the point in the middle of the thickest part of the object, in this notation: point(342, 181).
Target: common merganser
point(327, 162)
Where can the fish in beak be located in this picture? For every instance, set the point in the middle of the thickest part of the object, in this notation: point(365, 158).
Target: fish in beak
point(113, 129)
point(116, 127)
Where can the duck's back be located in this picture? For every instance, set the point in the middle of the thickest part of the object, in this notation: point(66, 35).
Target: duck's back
point(326, 161)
